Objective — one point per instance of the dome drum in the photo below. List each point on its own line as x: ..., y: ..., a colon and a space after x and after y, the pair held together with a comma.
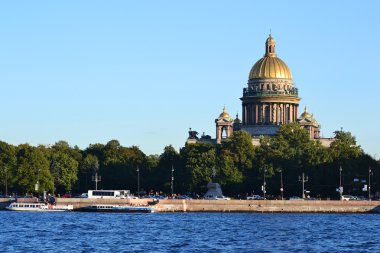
x: 273, y: 83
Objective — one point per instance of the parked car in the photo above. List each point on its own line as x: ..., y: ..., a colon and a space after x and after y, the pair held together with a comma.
x: 215, y: 197
x: 255, y: 197
x: 348, y: 197
x: 83, y: 195
x: 67, y: 195
x: 295, y: 198
x: 181, y: 197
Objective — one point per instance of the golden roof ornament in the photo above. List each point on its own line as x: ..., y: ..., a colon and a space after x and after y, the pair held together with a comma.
x: 225, y: 114
x: 270, y: 66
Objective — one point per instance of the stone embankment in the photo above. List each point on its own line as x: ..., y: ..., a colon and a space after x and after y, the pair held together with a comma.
x: 268, y: 206
x: 258, y: 206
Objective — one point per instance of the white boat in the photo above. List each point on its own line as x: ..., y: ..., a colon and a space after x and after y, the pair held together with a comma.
x: 117, y: 209
x: 38, y: 207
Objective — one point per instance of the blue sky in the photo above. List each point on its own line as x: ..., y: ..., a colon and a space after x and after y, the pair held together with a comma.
x: 143, y: 72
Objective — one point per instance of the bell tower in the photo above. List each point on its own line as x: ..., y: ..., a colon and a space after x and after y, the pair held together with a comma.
x: 224, y: 126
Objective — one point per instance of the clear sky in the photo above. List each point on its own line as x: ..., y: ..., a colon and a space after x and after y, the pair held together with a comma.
x: 143, y: 72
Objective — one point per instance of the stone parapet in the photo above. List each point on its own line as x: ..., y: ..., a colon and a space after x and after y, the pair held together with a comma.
x: 268, y: 206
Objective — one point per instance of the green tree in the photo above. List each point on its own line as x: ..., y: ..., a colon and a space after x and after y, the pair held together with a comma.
x: 64, y: 169
x: 161, y: 174
x: 8, y: 162
x: 88, y: 167
x: 291, y: 151
x: 119, y: 166
x: 344, y: 147
x: 240, y: 149
x: 33, y: 168
x: 200, y: 163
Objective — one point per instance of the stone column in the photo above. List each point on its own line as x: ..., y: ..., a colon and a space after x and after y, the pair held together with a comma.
x: 270, y: 114
x: 291, y: 113
x: 257, y: 114
x: 218, y: 134
x: 243, y: 112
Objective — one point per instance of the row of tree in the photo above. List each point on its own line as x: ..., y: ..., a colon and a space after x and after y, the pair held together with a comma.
x: 236, y: 165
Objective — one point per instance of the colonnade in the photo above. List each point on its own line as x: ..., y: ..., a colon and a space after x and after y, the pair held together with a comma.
x: 269, y: 113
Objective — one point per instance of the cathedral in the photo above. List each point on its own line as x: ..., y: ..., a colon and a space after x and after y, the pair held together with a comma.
x: 269, y: 101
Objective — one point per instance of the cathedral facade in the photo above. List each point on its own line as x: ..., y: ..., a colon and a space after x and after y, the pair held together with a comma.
x: 269, y: 101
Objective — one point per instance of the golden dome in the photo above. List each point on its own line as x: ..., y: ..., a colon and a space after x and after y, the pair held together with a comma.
x: 224, y: 114
x: 306, y: 114
x: 270, y: 66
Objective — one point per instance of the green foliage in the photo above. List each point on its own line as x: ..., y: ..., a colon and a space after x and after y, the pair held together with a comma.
x: 8, y: 163
x: 344, y: 147
x: 235, y: 164
x: 64, y: 170
x: 162, y: 171
x: 200, y: 162
x: 90, y: 164
x: 240, y: 149
x: 33, y: 167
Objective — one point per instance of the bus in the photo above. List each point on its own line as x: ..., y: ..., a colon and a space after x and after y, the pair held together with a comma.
x: 108, y: 194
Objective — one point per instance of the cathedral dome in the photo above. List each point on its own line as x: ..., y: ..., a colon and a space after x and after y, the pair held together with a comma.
x: 270, y: 66
x: 224, y: 114
x: 307, y: 116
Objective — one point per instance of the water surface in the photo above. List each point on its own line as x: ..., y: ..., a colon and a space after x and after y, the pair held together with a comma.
x: 188, y: 232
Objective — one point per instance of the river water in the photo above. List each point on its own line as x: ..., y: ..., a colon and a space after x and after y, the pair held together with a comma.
x: 188, y: 232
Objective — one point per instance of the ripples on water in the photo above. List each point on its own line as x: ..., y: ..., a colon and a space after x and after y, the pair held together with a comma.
x: 188, y: 232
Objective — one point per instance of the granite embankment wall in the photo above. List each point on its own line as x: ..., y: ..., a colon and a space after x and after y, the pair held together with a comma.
x: 268, y: 206
x: 259, y: 206
x: 81, y: 202
x: 265, y: 206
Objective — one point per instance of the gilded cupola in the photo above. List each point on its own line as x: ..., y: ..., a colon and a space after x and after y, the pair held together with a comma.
x: 225, y: 115
x: 270, y: 66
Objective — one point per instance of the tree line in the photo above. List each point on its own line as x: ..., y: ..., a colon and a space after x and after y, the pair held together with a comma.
x: 237, y: 165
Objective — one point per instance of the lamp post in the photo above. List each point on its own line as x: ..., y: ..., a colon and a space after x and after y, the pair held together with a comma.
x: 138, y: 182
x: 172, y: 183
x: 37, y: 186
x: 282, y: 186
x: 369, y: 183
x: 264, y: 184
x: 340, y: 183
x: 96, y: 179
x: 303, y: 179
x: 6, y: 180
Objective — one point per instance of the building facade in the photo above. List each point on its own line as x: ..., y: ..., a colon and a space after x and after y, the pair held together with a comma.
x: 269, y: 101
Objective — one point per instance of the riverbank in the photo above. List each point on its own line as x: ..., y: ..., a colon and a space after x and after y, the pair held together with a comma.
x: 258, y: 206
x: 269, y: 206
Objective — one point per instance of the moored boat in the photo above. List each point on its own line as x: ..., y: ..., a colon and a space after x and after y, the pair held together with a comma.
x: 117, y: 209
x: 38, y: 207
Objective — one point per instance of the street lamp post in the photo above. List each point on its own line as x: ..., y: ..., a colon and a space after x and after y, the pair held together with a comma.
x: 282, y: 186
x: 172, y: 183
x: 96, y: 179
x: 138, y: 182
x: 369, y: 183
x: 6, y: 180
x: 264, y: 184
x: 303, y: 180
x: 37, y: 186
x: 340, y: 183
